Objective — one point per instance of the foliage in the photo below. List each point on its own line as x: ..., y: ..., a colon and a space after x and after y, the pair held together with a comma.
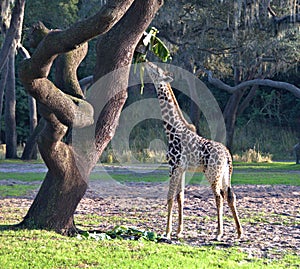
x: 195, y: 40
x: 266, y: 137
x: 149, y: 42
x: 54, y: 14
x: 253, y: 155
x: 237, y: 41
x: 122, y: 232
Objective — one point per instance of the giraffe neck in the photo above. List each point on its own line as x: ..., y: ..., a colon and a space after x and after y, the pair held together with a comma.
x: 170, y: 110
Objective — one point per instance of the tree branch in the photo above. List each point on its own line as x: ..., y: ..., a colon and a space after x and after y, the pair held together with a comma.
x: 34, y: 71
x: 23, y: 51
x: 254, y: 82
x: 291, y: 18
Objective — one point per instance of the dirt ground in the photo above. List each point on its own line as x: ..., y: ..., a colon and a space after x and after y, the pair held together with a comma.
x: 270, y: 214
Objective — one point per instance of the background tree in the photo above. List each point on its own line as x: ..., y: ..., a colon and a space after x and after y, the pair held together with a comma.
x: 12, y: 38
x: 237, y: 41
x: 66, y: 182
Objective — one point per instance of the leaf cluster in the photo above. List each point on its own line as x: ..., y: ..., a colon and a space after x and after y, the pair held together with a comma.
x: 122, y: 233
x: 149, y: 43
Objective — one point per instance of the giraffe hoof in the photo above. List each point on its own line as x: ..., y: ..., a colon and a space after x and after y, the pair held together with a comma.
x: 180, y: 235
x: 219, y: 236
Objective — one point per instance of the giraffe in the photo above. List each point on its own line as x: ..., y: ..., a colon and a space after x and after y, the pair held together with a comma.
x: 188, y: 150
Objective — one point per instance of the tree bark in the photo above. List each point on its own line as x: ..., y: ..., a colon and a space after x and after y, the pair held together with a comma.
x: 10, y: 110
x: 230, y: 115
x: 13, y: 30
x: 67, y: 177
x: 30, y: 149
x: 7, y: 54
x: 2, y: 88
x: 111, y: 58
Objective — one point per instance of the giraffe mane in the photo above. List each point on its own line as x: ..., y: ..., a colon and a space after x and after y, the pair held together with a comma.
x: 188, y: 125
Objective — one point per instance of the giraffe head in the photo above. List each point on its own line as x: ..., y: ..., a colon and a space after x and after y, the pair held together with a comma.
x: 157, y: 74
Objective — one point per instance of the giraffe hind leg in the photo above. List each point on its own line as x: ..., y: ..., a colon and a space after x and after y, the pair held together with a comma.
x: 219, y: 203
x: 231, y: 199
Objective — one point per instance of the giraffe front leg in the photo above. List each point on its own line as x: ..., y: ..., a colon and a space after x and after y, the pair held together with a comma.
x: 180, y: 200
x: 169, y: 220
x: 174, y: 186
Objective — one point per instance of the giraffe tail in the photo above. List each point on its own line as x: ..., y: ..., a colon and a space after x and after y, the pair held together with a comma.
x: 230, y: 193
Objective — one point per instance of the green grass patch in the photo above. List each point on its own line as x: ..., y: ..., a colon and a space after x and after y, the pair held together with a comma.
x: 91, y: 220
x: 266, y: 178
x: 16, y: 190
x: 43, y: 249
x: 244, y: 173
x: 26, y: 177
x: 274, y: 166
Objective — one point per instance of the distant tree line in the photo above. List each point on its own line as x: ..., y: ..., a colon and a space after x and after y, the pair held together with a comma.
x: 224, y: 43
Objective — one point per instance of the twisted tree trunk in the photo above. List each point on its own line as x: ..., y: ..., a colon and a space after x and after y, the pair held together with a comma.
x: 67, y: 177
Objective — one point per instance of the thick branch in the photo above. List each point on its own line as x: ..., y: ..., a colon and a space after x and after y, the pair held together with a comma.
x: 254, y: 82
x: 114, y: 53
x: 57, y: 41
x: 66, y: 71
x: 69, y: 110
x: 290, y: 18
x: 34, y: 71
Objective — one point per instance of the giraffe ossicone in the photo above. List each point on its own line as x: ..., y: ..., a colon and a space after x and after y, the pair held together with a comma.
x: 186, y: 149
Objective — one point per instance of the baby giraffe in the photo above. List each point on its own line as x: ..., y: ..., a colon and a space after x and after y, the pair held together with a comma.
x: 187, y: 150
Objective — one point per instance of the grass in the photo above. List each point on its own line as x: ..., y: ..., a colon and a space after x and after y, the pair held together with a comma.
x: 267, y: 173
x: 25, y: 177
x: 44, y: 249
x: 273, y: 166
x: 244, y: 173
x: 16, y: 190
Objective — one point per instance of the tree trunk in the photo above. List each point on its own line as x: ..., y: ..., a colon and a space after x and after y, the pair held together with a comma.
x: 10, y: 109
x: 2, y: 87
x: 111, y: 58
x: 62, y: 188
x: 230, y: 115
x: 30, y: 150
x: 14, y: 30
x: 67, y: 178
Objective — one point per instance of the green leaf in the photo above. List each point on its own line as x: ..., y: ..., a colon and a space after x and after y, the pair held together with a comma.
x: 160, y: 49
